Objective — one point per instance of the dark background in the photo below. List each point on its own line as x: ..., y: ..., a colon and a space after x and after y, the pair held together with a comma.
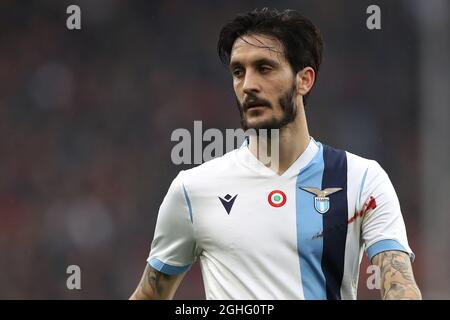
x: 86, y: 118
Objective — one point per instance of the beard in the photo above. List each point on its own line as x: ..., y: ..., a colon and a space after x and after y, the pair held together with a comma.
x: 288, y: 106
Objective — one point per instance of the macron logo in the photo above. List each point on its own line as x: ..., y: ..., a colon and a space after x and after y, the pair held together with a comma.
x: 227, y: 202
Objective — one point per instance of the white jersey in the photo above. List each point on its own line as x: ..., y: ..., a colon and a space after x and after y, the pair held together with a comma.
x: 260, y: 235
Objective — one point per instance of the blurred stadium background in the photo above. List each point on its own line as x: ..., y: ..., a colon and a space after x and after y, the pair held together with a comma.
x: 86, y: 118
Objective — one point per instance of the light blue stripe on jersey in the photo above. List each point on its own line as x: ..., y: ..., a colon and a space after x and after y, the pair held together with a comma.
x: 362, y: 184
x: 167, y: 268
x: 188, y: 202
x: 309, y: 229
x: 384, y: 245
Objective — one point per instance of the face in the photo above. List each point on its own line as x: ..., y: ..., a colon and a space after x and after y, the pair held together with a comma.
x: 263, y: 82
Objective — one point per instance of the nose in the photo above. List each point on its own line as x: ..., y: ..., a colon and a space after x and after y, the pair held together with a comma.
x: 250, y: 84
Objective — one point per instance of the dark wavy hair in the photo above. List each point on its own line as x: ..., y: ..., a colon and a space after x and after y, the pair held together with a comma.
x: 301, y: 39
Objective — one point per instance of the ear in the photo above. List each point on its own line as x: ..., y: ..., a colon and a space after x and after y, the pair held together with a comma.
x: 305, y: 80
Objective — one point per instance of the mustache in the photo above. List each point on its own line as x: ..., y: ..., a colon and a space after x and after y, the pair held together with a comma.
x: 253, y: 100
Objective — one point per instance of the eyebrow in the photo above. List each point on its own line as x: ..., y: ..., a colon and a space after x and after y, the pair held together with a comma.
x: 257, y: 62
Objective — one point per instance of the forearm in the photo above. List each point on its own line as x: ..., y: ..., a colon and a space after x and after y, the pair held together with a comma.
x: 145, y: 289
x: 397, y: 278
x: 155, y: 285
x: 139, y: 294
x: 402, y: 292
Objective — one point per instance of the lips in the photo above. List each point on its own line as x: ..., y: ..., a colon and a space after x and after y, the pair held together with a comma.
x: 255, y: 104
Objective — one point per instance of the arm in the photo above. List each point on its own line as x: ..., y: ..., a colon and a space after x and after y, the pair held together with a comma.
x: 155, y: 285
x: 397, y: 278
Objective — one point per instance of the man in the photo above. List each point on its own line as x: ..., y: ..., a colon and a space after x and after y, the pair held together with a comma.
x: 296, y: 232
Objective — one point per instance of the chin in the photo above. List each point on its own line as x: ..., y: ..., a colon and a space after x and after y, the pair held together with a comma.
x: 258, y: 124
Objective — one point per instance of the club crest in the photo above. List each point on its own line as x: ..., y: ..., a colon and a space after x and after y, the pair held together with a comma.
x: 321, y: 199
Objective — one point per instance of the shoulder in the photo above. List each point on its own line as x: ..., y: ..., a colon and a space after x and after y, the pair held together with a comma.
x: 368, y: 175
x: 366, y: 178
x: 363, y: 174
x: 358, y: 163
x: 209, y: 171
x: 355, y: 163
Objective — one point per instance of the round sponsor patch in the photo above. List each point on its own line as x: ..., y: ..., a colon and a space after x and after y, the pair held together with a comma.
x: 277, y: 198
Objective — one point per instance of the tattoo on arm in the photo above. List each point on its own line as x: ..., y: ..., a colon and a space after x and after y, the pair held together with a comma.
x: 156, y: 285
x: 397, y: 277
x: 153, y: 280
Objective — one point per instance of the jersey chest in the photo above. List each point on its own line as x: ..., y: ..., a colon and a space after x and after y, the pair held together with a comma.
x: 262, y: 218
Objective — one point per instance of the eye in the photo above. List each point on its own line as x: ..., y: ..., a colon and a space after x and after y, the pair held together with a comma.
x: 264, y: 68
x: 237, y: 72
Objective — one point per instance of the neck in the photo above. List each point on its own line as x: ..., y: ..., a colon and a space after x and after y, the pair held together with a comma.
x: 293, y: 141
